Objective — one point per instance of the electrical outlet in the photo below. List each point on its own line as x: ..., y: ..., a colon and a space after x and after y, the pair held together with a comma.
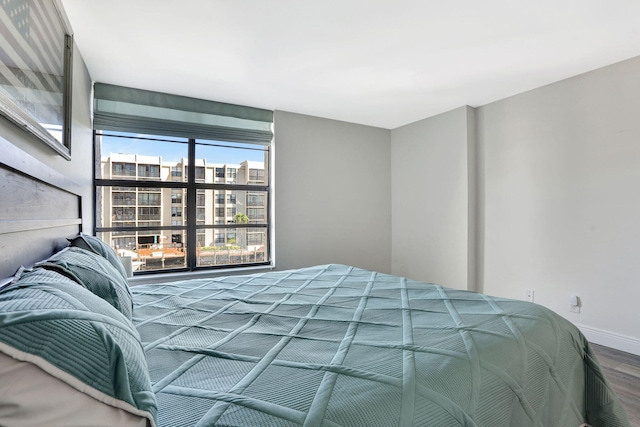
x: 528, y: 294
x: 574, y: 304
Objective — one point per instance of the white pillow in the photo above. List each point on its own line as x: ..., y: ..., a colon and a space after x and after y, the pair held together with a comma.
x: 31, y: 397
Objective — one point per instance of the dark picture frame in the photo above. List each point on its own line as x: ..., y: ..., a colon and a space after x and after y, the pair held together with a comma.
x: 36, y: 67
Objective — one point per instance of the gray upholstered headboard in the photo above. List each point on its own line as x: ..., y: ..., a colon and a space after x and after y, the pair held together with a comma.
x: 39, y: 209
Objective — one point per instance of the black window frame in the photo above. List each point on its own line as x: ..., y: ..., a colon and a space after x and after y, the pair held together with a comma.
x: 192, y: 183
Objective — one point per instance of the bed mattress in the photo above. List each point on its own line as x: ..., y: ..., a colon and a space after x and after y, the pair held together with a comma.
x: 335, y: 345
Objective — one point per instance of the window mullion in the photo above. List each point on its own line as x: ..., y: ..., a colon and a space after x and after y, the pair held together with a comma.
x: 191, y: 205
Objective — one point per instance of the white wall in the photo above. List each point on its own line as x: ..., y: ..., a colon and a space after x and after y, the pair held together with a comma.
x: 79, y: 169
x: 332, y: 193
x: 433, y: 199
x: 556, y: 191
x: 537, y: 191
x: 560, y: 212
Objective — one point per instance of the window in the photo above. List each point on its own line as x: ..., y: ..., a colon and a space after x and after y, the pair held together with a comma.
x: 123, y: 169
x: 152, y: 199
x: 200, y: 173
x: 124, y: 198
x: 149, y: 171
x: 254, y: 238
x: 148, y: 217
x: 200, y: 198
x: 174, y: 192
x: 124, y: 214
x: 149, y: 214
x: 255, y: 199
x: 126, y: 243
x: 256, y: 175
x: 255, y: 214
x: 176, y: 196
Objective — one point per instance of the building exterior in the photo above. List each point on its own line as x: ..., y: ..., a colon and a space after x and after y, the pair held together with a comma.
x: 166, y: 206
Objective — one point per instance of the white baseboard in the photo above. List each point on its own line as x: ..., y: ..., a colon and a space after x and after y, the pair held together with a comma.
x: 610, y: 339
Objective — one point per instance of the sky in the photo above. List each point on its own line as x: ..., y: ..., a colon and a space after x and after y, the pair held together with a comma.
x: 221, y: 152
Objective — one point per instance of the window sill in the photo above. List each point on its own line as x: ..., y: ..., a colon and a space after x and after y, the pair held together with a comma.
x: 202, y: 274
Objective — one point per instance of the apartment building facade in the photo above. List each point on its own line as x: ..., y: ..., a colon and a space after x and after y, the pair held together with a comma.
x: 137, y: 210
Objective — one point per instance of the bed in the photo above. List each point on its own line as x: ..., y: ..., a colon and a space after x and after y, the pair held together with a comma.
x: 335, y: 345
x: 329, y: 345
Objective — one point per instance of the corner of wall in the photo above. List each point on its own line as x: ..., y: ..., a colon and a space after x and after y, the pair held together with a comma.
x: 433, y: 174
x: 472, y: 196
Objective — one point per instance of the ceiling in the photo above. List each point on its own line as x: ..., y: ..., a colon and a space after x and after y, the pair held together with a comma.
x: 376, y: 62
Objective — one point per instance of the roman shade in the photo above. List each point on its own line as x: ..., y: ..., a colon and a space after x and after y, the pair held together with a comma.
x: 124, y: 109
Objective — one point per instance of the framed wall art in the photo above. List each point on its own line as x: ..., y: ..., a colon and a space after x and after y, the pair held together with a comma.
x: 35, y: 70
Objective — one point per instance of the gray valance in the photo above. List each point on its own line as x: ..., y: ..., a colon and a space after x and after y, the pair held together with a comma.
x: 141, y: 111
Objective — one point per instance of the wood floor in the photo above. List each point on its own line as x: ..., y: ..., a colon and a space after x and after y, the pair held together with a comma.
x: 623, y: 371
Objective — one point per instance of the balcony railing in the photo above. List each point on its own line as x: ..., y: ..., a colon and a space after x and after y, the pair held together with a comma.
x: 172, y: 255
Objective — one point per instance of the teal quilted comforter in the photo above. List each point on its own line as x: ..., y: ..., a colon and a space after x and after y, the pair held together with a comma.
x: 340, y: 346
